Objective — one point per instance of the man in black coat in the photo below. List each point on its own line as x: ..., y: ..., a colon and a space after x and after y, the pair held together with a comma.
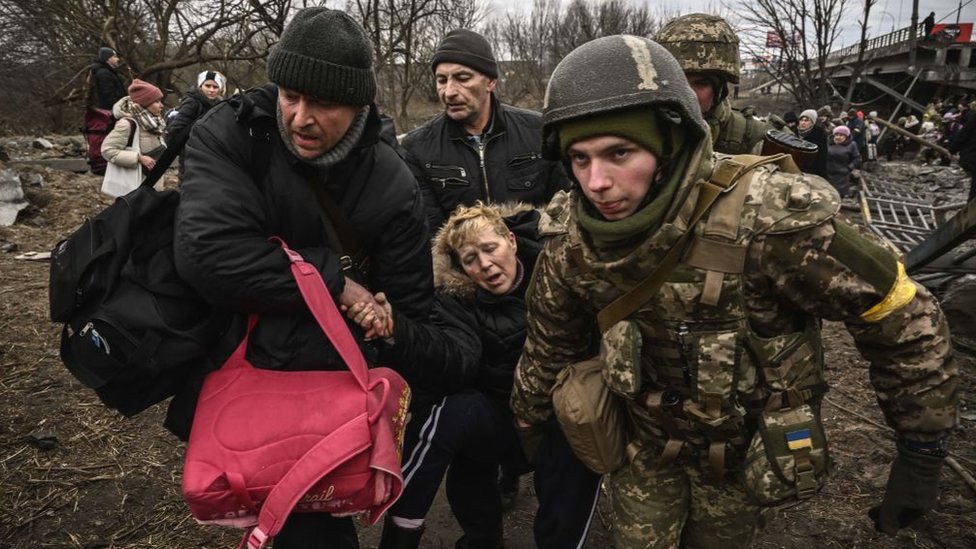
x: 271, y: 163
x: 478, y: 148
x: 107, y: 86
x: 964, y: 144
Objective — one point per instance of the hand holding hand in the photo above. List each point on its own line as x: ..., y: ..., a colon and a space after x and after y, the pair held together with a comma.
x: 373, y: 313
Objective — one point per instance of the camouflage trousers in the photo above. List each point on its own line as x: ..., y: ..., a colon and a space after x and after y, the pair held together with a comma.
x: 672, y: 507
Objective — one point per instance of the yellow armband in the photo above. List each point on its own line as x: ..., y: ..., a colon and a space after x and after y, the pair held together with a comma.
x: 901, y: 293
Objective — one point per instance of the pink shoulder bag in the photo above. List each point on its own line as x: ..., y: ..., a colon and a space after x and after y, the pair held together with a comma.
x: 265, y: 443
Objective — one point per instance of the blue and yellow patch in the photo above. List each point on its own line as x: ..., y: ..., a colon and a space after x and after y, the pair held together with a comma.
x: 798, y: 440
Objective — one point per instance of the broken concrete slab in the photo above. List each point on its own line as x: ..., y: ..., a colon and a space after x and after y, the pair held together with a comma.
x: 43, y: 144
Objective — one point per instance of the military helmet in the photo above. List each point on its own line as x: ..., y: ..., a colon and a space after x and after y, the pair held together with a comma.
x: 615, y: 73
x: 702, y: 43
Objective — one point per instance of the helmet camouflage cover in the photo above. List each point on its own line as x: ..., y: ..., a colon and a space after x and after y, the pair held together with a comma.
x: 703, y: 43
x: 615, y: 73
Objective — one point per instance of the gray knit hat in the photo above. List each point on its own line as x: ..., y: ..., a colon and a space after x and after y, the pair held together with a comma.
x: 105, y: 53
x: 468, y: 48
x: 326, y: 54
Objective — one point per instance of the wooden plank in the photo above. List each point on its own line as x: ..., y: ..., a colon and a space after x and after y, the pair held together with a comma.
x: 960, y: 228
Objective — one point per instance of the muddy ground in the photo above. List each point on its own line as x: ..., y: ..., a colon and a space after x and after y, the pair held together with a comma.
x: 74, y: 474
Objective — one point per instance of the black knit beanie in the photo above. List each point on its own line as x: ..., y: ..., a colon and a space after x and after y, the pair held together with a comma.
x: 467, y: 48
x: 326, y: 54
x: 104, y: 54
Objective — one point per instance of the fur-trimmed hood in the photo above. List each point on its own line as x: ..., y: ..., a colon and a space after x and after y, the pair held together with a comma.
x: 522, y: 219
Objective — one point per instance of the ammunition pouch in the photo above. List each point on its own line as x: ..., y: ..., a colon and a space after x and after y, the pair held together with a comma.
x: 591, y: 416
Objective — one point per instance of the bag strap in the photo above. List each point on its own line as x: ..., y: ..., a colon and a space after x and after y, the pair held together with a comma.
x: 324, y: 310
x: 329, y: 453
x: 132, y: 131
x: 724, y: 177
x: 341, y: 236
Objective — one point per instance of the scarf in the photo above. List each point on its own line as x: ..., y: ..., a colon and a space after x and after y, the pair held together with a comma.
x: 148, y: 122
x: 339, y: 151
x: 625, y: 234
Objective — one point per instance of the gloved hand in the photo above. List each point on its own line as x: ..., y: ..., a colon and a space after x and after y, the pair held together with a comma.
x: 913, y: 488
x: 532, y: 437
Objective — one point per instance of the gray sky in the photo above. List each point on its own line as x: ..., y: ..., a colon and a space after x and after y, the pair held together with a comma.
x: 884, y: 15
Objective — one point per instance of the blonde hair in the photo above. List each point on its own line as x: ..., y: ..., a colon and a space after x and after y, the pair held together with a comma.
x: 466, y: 222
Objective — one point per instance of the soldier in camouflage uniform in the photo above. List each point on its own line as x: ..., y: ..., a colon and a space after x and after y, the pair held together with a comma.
x: 708, y: 51
x: 723, y: 386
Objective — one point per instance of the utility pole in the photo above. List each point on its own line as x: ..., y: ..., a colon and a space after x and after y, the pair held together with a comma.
x: 914, y: 34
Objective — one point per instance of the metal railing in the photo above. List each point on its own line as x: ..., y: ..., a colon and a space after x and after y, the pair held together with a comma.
x: 899, y: 36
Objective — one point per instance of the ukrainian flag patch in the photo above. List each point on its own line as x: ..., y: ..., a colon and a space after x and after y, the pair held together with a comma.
x: 798, y: 440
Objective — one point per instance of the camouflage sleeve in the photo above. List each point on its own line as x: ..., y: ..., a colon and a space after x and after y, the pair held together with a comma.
x: 837, y: 272
x: 559, y: 330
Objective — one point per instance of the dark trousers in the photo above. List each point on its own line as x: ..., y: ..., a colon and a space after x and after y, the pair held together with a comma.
x: 467, y: 436
x: 317, y: 531
x: 567, y: 492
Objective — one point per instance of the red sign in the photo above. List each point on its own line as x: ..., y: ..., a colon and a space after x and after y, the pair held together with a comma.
x: 773, y: 41
x: 949, y: 33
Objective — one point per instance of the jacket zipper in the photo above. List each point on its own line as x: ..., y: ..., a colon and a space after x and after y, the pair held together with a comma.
x: 484, y: 172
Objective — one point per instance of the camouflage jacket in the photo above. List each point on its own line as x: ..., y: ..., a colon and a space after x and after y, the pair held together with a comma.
x: 797, y: 263
x: 733, y: 132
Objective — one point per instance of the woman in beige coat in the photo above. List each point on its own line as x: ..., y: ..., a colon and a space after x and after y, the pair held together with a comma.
x: 142, y: 108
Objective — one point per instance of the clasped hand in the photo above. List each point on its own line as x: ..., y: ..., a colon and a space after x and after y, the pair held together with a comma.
x: 373, y: 313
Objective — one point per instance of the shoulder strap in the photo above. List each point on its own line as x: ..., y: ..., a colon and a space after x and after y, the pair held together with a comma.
x: 339, y: 233
x: 132, y: 131
x: 724, y: 177
x: 623, y: 306
x: 341, y: 236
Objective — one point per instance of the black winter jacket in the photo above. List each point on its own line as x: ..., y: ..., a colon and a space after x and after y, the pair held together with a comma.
x: 451, y: 170
x: 818, y: 136
x: 473, y: 338
x: 964, y: 142
x: 193, y: 106
x: 225, y: 219
x: 107, y: 86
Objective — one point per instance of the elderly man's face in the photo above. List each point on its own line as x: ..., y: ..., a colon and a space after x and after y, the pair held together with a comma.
x: 465, y: 93
x: 805, y: 123
x: 314, y: 125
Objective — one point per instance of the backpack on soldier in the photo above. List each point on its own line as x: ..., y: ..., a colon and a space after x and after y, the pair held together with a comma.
x: 133, y: 330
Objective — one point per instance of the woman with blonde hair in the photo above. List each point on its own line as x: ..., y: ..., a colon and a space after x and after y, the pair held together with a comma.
x: 463, y: 359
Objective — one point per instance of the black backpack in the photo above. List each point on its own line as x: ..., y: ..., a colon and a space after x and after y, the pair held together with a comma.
x: 133, y: 330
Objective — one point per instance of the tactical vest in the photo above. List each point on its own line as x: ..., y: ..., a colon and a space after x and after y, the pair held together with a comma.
x: 705, y: 375
x: 738, y: 134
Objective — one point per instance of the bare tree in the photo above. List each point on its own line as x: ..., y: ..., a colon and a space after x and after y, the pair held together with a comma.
x: 404, y: 34
x: 862, y: 44
x: 806, y: 31
x: 49, y: 44
x: 527, y: 42
x: 535, y: 43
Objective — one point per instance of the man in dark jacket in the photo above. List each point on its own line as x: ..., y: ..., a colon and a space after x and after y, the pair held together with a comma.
x: 270, y: 163
x: 964, y: 143
x: 107, y: 86
x: 478, y: 148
